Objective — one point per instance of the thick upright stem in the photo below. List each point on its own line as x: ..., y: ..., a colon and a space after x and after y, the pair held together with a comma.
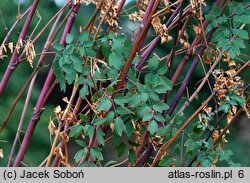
x: 46, y: 47
x: 144, y: 57
x: 134, y: 50
x: 13, y: 60
x: 40, y: 103
x: 144, y: 21
x: 189, y: 74
x: 190, y: 52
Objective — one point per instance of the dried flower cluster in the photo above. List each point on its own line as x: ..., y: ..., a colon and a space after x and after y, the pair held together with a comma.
x: 108, y: 12
x: 3, y: 50
x: 30, y: 52
x: 19, y: 45
x: 184, y: 41
x: 225, y: 81
x: 157, y: 22
x: 161, y: 30
x: 195, y: 5
x: 139, y: 14
x: 87, y: 2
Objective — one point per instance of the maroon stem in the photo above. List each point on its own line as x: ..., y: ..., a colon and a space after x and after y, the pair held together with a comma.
x: 14, y: 25
x: 143, y: 142
x: 144, y: 57
x: 142, y: 161
x: 144, y: 21
x: 40, y: 103
x: 191, y: 49
x: 13, y: 60
x: 189, y: 74
x: 139, y: 38
x: 46, y: 47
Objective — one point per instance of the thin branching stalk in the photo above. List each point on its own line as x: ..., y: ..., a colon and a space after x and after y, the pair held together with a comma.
x: 145, y: 55
x: 179, y: 33
x: 75, y: 88
x: 102, y: 20
x: 92, y: 19
x: 43, y: 30
x: 204, y: 80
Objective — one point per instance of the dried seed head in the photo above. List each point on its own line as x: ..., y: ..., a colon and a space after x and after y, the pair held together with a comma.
x: 2, y: 51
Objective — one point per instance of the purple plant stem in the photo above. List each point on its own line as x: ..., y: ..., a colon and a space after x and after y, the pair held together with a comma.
x: 38, y: 66
x: 189, y: 74
x: 12, y: 65
x: 179, y: 33
x: 142, y: 161
x: 40, y: 103
x: 46, y: 47
x: 133, y: 51
x: 14, y: 25
x: 190, y: 52
x: 145, y: 18
x: 144, y: 57
x: 21, y: 122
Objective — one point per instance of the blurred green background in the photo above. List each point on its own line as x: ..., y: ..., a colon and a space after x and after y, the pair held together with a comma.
x: 239, y: 138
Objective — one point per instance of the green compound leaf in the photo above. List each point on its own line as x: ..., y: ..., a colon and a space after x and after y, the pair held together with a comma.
x: 104, y: 105
x: 153, y: 63
x: 83, y: 36
x: 121, y: 149
x: 99, y: 121
x: 119, y: 126
x: 115, y: 60
x: 160, y: 106
x: 96, y: 153
x: 153, y: 127
x: 75, y: 130
x: 120, y: 99
x: 100, y: 137
x: 80, y: 154
x: 190, y: 145
x: 166, y: 161
x: 132, y: 156
x: 84, y: 91
x: 69, y: 38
